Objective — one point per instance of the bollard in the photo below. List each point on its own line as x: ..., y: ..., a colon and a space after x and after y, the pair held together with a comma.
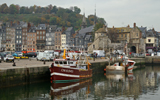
x: 44, y: 62
x: 14, y: 64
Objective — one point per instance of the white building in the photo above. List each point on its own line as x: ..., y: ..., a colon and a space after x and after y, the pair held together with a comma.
x: 63, y: 40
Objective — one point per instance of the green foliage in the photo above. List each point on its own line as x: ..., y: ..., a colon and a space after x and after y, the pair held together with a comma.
x: 12, y: 9
x: 77, y: 10
x: 50, y: 15
x: 4, y: 8
x: 52, y: 21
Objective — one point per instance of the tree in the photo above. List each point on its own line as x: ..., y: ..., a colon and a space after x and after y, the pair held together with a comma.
x: 52, y: 20
x: 4, y: 8
x: 12, y: 9
x: 77, y: 10
x: 54, y: 9
x: 22, y: 10
x: 112, y: 35
x: 49, y: 8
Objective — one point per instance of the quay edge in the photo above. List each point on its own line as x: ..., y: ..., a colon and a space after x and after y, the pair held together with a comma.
x: 24, y: 75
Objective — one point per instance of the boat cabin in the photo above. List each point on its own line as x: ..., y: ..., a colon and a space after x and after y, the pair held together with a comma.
x: 65, y: 62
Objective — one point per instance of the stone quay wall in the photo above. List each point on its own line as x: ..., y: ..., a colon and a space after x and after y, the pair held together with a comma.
x: 18, y: 76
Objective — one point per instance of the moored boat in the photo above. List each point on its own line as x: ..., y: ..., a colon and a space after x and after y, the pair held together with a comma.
x: 118, y: 67
x: 70, y: 70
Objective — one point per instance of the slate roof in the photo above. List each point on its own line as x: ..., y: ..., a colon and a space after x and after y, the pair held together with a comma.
x: 69, y: 28
x: 143, y: 30
x: 59, y: 28
x: 83, y: 32
x: 88, y: 37
x: 149, y: 34
x: 41, y: 27
x: 52, y: 28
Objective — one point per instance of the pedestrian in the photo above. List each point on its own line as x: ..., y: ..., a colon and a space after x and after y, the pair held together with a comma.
x: 96, y: 55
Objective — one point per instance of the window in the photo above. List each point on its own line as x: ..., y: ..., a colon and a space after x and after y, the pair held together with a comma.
x: 56, y: 62
x: 93, y: 46
x: 43, y: 37
x: 137, y: 34
x: 37, y: 37
x: 125, y: 35
x: 121, y: 35
x: 71, y: 62
x: 60, y: 62
x: 38, y: 32
x: 40, y: 37
x: 149, y: 40
x: 17, y: 41
x: 43, y: 32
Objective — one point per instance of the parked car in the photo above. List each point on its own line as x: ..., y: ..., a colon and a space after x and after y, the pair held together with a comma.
x: 148, y: 54
x: 20, y: 54
x: 15, y: 54
x: 2, y: 54
x: 0, y: 59
x: 31, y: 54
x: 9, y: 58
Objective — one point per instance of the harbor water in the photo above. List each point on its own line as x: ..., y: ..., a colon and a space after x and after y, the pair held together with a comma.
x: 142, y: 84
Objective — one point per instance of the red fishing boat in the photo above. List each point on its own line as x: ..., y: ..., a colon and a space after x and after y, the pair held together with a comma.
x: 69, y: 70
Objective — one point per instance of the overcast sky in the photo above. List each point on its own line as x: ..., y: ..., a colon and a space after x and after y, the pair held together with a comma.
x: 117, y: 13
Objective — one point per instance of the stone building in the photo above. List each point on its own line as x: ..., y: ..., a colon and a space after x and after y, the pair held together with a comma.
x: 101, y: 41
x: 136, y: 42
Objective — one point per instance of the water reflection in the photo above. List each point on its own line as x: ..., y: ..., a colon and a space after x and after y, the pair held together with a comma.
x: 139, y: 84
x: 142, y: 84
x: 70, y: 91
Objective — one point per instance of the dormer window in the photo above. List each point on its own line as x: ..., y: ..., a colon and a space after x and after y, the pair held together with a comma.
x: 40, y: 27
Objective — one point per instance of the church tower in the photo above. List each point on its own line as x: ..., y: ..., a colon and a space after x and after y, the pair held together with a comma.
x: 84, y: 23
x: 95, y: 17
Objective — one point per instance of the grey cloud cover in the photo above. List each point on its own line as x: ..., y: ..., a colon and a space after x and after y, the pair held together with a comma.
x: 118, y: 13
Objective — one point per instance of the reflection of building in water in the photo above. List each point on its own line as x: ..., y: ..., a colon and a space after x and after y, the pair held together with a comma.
x: 70, y: 91
x: 130, y: 87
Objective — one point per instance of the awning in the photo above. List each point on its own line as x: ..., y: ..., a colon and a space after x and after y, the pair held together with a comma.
x: 151, y: 47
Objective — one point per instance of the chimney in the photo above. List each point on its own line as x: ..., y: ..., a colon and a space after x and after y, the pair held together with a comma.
x: 11, y: 23
x: 134, y: 24
x: 18, y: 22
x: 128, y: 26
x: 63, y: 28
x: 113, y: 26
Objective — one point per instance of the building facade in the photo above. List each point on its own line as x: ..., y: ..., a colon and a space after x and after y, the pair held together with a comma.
x: 31, y: 40
x: 18, y: 38
x: 41, y: 37
x: 63, y: 41
x: 50, y: 36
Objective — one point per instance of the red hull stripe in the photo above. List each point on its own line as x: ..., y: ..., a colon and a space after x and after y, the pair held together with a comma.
x: 130, y: 68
